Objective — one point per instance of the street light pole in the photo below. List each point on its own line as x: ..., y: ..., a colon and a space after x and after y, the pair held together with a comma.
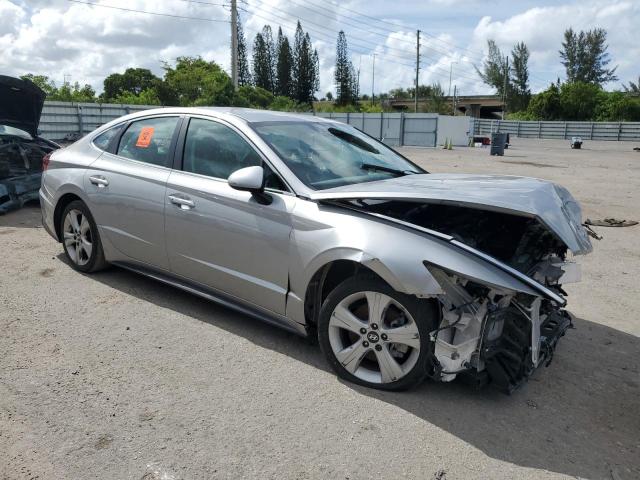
x: 415, y: 100
x: 234, y: 43
x: 373, y: 80
x: 450, y: 74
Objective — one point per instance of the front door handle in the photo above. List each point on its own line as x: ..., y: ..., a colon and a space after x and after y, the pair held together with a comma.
x: 183, y: 202
x: 99, y: 180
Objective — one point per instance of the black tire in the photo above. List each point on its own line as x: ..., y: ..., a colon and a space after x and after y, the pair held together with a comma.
x: 96, y: 260
x: 425, y: 313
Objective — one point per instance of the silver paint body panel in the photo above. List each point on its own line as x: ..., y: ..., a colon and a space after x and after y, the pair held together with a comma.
x: 194, y: 230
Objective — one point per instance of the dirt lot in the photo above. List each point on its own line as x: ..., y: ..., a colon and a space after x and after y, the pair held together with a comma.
x: 115, y: 376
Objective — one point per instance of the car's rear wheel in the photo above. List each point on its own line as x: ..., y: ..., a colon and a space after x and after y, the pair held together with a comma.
x: 80, y: 238
x: 375, y: 336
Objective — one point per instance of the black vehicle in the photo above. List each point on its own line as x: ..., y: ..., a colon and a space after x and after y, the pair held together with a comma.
x: 21, y: 149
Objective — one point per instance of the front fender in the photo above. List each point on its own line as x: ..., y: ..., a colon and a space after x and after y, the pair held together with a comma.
x: 324, y: 233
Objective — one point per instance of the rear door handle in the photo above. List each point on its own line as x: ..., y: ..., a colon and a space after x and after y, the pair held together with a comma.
x: 183, y: 202
x: 99, y: 180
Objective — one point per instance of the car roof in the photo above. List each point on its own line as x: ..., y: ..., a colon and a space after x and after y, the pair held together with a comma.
x: 253, y: 115
x: 248, y: 115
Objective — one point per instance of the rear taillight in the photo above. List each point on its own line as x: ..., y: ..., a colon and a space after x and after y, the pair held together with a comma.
x: 45, y: 161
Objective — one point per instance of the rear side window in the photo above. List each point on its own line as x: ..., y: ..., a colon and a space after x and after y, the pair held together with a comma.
x: 103, y: 141
x: 149, y: 140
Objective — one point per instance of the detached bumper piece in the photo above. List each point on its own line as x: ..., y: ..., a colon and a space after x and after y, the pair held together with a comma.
x: 506, y: 349
x: 16, y: 191
x: 554, y: 327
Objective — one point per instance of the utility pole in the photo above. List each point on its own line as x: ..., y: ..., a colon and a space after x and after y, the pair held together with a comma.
x: 373, y: 80
x: 453, y: 100
x: 415, y: 101
x: 358, y: 79
x: 234, y: 43
x: 504, y: 88
x: 450, y: 74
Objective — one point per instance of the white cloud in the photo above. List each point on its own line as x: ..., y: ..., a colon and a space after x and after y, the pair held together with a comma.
x: 542, y: 30
x: 57, y: 37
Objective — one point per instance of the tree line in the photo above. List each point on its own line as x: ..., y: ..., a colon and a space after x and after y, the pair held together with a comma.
x: 580, y: 97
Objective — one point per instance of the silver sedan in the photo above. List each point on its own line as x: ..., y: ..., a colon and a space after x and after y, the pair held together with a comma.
x: 313, y: 226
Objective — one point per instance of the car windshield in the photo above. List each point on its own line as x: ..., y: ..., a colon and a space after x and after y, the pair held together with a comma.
x: 325, y: 155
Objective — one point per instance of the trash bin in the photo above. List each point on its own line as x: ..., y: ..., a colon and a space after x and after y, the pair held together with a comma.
x: 498, y: 140
x: 576, y: 142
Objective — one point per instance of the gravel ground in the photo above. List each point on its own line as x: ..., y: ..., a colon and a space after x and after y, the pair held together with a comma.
x: 115, y: 376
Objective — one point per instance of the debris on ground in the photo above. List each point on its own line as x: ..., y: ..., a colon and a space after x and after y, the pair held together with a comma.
x: 440, y: 475
x: 611, y: 222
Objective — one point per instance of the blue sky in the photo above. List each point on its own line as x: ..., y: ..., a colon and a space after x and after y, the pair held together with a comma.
x: 86, y: 43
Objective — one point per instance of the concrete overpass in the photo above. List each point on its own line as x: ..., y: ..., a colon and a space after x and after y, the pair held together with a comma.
x: 479, y: 106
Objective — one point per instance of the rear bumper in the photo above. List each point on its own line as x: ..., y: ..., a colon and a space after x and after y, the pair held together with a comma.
x: 47, y: 209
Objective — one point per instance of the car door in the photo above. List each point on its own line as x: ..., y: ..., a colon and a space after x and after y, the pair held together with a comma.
x: 126, y: 187
x: 221, y: 237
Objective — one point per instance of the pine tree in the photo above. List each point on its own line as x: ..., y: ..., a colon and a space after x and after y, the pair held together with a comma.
x: 632, y: 88
x: 261, y: 66
x: 284, y: 66
x: 521, y: 93
x: 316, y: 71
x: 572, y: 54
x: 344, y: 73
x: 494, y: 68
x: 270, y: 55
x: 585, y: 57
x: 244, y: 74
x: 305, y: 67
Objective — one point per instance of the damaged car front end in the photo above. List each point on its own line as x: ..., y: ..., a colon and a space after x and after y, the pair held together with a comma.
x: 529, y: 229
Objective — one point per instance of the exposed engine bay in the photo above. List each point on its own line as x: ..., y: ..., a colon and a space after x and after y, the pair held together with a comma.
x: 487, y: 334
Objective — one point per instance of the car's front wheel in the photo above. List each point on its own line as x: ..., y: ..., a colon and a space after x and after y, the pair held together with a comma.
x: 80, y: 238
x: 375, y: 336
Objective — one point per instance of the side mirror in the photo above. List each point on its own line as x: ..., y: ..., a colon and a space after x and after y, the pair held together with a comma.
x: 250, y: 179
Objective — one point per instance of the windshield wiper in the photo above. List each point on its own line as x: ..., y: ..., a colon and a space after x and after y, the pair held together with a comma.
x: 381, y: 168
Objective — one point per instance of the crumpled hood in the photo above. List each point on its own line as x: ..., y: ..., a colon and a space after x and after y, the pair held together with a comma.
x: 552, y: 204
x: 21, y: 104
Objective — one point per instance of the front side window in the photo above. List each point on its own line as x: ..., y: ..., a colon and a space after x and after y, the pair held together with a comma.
x: 215, y: 150
x: 149, y: 140
x: 326, y: 155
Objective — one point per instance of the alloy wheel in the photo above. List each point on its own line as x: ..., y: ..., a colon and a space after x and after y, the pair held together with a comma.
x: 78, y: 239
x: 374, y: 337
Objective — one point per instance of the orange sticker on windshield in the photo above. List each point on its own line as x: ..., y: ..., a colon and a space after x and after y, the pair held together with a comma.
x: 144, y: 139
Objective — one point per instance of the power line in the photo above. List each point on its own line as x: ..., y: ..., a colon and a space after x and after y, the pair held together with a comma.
x: 330, y: 37
x: 209, y: 4
x: 354, y: 25
x: 366, y: 45
x: 149, y: 13
x: 325, y: 35
x: 395, y: 25
x: 365, y: 41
